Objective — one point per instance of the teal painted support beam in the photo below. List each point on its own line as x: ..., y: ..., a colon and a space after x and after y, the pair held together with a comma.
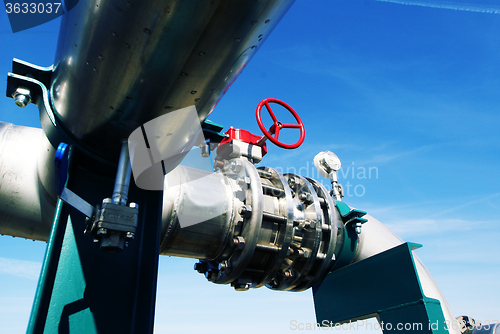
x: 85, y: 290
x: 48, y: 271
x: 350, y: 238
x: 386, y: 286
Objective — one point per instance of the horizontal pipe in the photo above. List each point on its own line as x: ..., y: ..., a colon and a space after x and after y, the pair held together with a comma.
x: 27, y: 199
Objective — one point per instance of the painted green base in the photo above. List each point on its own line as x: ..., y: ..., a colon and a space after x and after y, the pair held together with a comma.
x: 385, y: 286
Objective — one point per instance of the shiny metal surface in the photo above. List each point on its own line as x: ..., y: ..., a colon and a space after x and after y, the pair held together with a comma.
x: 121, y: 64
x: 207, y: 239
x: 26, y: 185
x: 272, y: 229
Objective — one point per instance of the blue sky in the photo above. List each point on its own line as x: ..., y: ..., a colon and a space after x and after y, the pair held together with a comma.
x: 408, y: 91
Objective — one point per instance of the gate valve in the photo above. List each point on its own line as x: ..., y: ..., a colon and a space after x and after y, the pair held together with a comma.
x: 277, y: 125
x: 245, y: 143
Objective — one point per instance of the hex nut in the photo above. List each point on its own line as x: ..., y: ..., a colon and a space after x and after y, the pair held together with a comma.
x: 235, y: 166
x: 22, y: 97
x: 245, y: 211
x: 238, y: 242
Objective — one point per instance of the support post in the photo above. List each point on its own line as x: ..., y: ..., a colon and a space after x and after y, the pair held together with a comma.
x: 85, y: 290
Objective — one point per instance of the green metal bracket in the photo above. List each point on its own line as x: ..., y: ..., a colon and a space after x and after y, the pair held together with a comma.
x: 212, y: 131
x: 82, y: 289
x: 386, y: 286
x: 349, y: 217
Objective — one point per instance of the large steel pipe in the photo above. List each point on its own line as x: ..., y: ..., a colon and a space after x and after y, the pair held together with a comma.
x: 120, y: 64
x: 278, y: 227
x: 26, y: 183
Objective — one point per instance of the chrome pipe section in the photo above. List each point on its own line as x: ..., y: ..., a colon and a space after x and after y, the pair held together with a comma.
x: 26, y: 187
x: 119, y: 65
x: 282, y: 231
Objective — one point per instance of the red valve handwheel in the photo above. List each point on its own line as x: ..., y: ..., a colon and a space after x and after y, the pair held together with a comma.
x: 277, y: 126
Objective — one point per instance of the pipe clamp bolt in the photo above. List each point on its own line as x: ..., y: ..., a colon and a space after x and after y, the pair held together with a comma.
x: 22, y: 97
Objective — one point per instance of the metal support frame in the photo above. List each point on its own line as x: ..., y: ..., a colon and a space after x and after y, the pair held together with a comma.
x: 391, y: 292
x: 85, y: 290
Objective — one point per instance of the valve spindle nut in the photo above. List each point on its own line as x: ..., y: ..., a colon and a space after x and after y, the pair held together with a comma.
x: 133, y: 205
x: 129, y: 235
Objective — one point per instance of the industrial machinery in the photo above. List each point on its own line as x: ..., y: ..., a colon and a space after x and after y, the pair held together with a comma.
x: 129, y: 93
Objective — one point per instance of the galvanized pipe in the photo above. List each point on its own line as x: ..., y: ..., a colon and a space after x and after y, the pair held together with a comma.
x: 120, y: 65
x: 26, y: 187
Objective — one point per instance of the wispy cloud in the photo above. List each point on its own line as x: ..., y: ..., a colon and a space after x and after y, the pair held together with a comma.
x: 454, y: 5
x: 467, y: 204
x: 418, y: 227
x: 20, y: 268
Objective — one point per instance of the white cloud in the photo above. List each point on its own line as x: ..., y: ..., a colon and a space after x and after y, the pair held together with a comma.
x: 454, y: 5
x: 20, y: 268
